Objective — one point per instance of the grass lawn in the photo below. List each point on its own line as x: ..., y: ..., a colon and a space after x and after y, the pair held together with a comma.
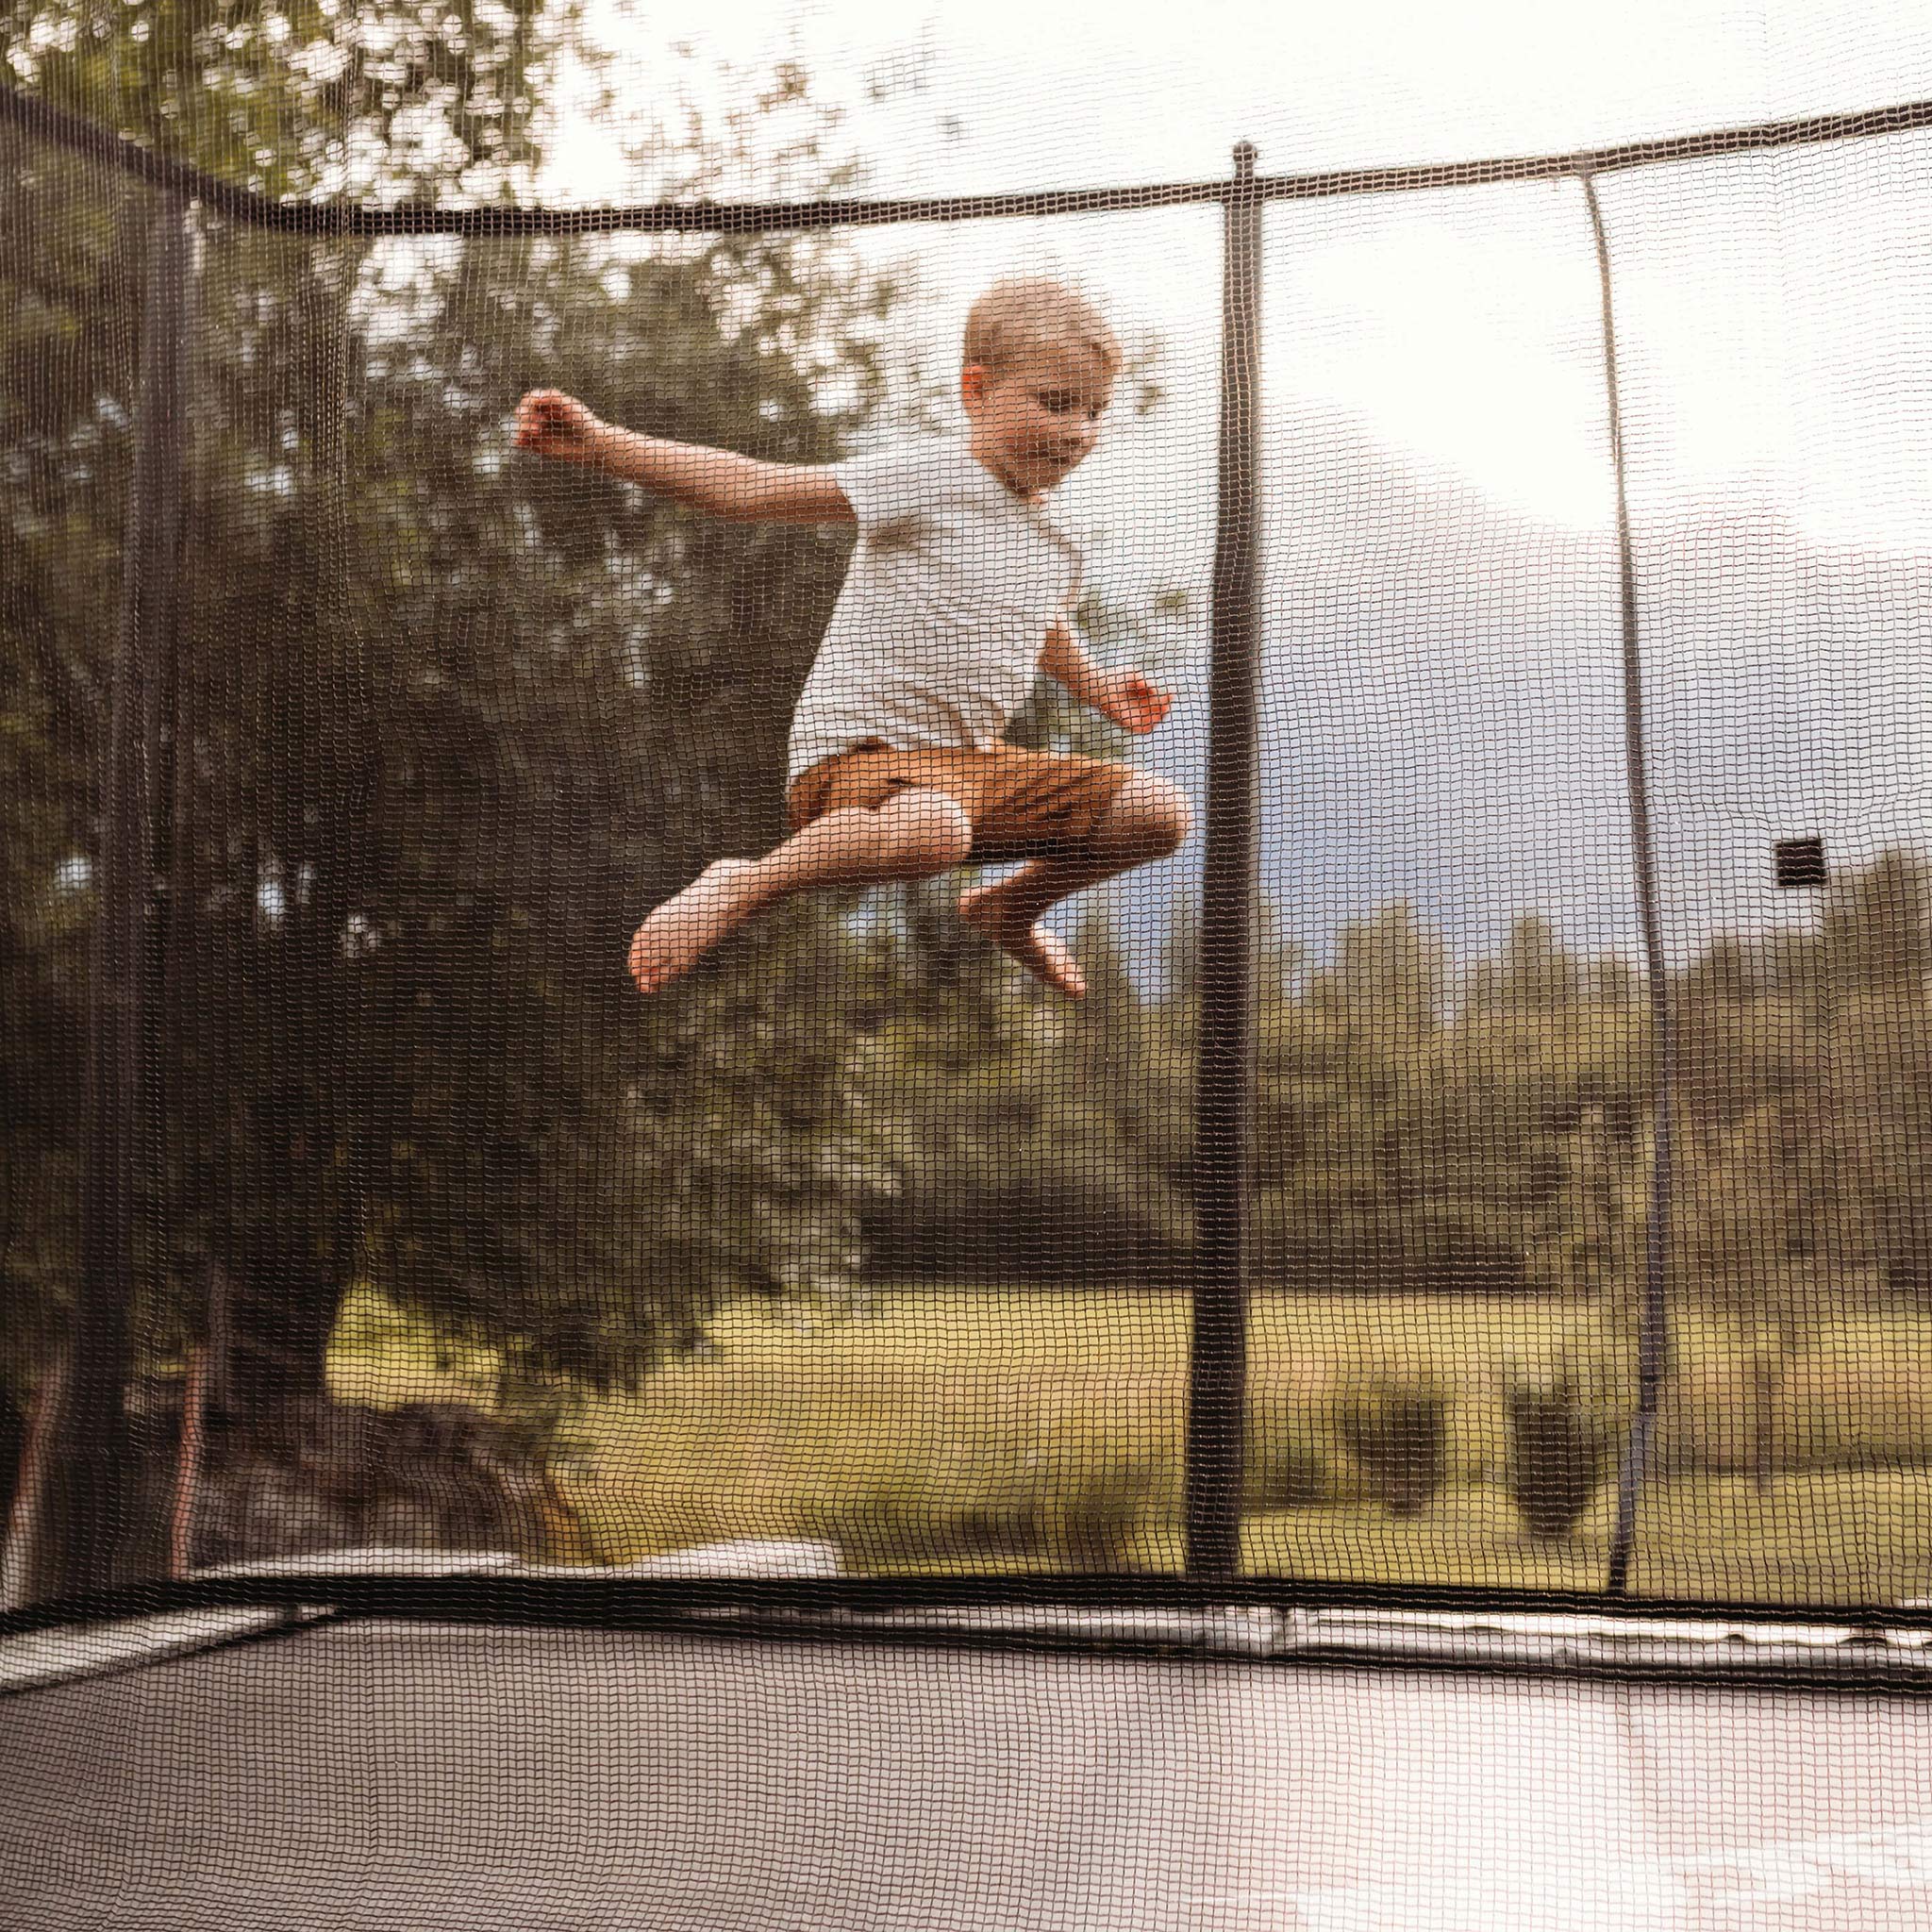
x: 956, y: 1430
x: 1819, y: 1536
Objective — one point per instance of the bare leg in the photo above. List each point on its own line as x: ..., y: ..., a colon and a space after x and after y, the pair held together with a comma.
x: 911, y: 836
x: 1147, y: 820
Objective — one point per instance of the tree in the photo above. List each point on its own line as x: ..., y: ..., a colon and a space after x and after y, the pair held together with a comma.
x: 1878, y: 924
x: 69, y: 338
x: 1534, y: 973
x: 1352, y: 1187
x: 446, y: 725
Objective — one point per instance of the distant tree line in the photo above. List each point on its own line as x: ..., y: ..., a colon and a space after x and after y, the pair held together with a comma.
x: 1421, y: 1129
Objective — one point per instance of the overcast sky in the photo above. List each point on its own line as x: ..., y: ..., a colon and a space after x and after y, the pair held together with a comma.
x: 1443, y: 716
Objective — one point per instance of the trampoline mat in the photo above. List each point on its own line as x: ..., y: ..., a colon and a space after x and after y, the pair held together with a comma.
x: 413, y: 1778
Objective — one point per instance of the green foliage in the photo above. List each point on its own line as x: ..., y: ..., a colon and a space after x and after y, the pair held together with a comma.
x: 301, y: 96
x: 1282, y: 1464
x: 445, y: 723
x: 1396, y: 1428
x: 1088, y: 1516
x: 1559, y: 1452
x: 1032, y: 1137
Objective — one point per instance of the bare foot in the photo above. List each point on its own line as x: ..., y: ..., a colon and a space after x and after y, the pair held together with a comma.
x: 1039, y: 951
x: 682, y: 930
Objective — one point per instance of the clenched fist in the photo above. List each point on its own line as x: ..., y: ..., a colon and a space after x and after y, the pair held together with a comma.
x: 553, y: 425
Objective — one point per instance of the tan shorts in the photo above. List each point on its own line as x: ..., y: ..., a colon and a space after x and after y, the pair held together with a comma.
x: 1020, y: 804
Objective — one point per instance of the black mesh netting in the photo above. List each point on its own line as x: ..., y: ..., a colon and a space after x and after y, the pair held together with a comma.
x: 1479, y: 1194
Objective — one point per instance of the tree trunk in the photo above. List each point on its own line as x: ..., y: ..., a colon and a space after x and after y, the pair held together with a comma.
x: 24, y: 1556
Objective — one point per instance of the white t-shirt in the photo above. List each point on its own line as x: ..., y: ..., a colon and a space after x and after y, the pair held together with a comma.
x: 937, y: 634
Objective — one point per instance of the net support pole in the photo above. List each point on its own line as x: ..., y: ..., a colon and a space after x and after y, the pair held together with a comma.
x: 1653, y: 1337
x: 89, y: 1519
x: 1218, y: 1390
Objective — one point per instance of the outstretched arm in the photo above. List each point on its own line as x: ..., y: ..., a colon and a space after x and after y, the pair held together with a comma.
x: 1128, y: 698
x: 718, y: 480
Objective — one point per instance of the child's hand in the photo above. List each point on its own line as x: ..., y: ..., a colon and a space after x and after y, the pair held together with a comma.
x: 554, y: 425
x: 1133, y: 703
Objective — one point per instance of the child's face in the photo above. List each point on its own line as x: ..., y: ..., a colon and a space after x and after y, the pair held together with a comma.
x: 1033, y: 423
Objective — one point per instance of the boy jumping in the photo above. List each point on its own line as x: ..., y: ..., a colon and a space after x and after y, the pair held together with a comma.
x: 959, y: 589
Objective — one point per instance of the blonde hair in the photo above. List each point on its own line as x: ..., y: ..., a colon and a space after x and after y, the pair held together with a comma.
x: 1020, y: 315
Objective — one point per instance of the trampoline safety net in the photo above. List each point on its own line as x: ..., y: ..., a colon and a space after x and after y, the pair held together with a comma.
x: 859, y: 1002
